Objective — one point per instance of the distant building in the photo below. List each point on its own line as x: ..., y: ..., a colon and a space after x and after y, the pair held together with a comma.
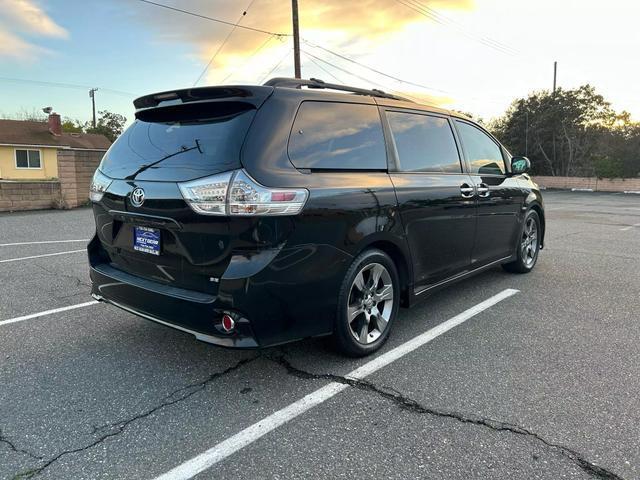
x: 29, y: 150
x: 42, y: 167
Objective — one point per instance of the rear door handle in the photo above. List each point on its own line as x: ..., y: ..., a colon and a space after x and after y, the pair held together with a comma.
x: 483, y: 190
x: 467, y: 191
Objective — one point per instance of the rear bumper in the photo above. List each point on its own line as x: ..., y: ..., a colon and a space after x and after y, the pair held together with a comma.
x: 275, y: 296
x: 191, y: 312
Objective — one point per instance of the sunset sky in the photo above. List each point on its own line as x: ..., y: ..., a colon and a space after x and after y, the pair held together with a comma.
x: 473, y: 55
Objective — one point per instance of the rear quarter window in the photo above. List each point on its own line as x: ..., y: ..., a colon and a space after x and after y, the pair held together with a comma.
x: 337, y: 136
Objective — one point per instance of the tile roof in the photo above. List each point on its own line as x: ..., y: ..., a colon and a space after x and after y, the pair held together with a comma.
x: 24, y: 132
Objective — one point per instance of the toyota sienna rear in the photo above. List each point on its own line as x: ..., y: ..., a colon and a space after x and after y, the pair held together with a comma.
x: 251, y: 216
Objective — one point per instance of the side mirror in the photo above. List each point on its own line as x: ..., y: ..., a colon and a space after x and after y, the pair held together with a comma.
x: 520, y: 165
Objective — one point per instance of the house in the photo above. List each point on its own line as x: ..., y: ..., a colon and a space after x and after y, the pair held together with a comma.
x: 28, y: 149
x: 43, y: 167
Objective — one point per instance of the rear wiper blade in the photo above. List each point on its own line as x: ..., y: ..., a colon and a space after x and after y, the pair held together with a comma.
x: 148, y: 166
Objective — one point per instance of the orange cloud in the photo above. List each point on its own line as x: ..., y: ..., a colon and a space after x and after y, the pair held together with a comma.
x: 340, y: 21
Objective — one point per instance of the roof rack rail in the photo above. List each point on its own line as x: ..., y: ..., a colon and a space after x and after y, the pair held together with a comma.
x: 321, y: 84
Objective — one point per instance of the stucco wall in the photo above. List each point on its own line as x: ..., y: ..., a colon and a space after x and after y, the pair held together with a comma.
x: 9, y: 171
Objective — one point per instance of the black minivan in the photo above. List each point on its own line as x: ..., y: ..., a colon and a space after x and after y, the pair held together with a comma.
x: 251, y: 216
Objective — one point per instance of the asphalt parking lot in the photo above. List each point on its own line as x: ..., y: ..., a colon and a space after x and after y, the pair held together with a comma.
x: 539, y: 383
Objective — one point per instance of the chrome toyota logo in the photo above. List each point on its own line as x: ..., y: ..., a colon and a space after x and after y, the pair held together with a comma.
x: 137, y: 197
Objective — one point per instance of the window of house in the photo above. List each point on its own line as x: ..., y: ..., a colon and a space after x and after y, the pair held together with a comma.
x: 28, y: 159
x: 424, y: 143
x: 484, y: 155
x: 340, y: 136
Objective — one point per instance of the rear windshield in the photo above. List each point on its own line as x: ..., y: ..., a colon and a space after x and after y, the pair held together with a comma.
x: 178, y: 146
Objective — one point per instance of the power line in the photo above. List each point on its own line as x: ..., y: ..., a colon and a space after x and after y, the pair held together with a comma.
x: 256, y: 51
x: 213, y: 57
x: 397, y: 79
x: 66, y: 85
x: 205, y: 17
x: 447, y: 22
x: 322, y: 68
x: 276, y: 66
x: 368, y: 81
x: 460, y: 26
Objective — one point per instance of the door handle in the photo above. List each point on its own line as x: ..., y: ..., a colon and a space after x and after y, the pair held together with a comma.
x: 467, y: 191
x: 483, y: 190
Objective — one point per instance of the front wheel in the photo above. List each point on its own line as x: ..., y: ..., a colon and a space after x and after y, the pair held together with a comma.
x: 368, y: 304
x: 528, y: 246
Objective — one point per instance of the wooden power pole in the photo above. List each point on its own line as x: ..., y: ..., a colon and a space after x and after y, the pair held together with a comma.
x: 555, y: 75
x: 296, y: 38
x: 92, y: 95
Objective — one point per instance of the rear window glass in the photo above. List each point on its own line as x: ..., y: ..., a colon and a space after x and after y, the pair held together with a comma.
x: 424, y: 143
x: 337, y: 136
x: 178, y: 150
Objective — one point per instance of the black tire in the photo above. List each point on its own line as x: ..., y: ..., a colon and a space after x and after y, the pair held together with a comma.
x: 377, y: 316
x: 528, y: 248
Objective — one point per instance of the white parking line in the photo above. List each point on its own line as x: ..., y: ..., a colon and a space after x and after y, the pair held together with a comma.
x: 46, y: 312
x: 224, y: 449
x: 43, y: 243
x: 624, y: 229
x: 40, y: 256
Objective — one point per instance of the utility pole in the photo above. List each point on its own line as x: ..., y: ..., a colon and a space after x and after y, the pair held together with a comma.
x: 296, y: 38
x: 92, y: 95
x: 526, y: 133
x: 553, y: 138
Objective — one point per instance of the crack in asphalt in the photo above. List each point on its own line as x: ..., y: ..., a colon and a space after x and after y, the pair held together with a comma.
x: 413, y: 406
x: 12, y: 446
x: 116, y: 428
x: 76, y: 279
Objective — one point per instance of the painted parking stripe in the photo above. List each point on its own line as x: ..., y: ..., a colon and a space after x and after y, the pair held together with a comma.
x: 624, y: 229
x: 44, y: 255
x: 228, y: 447
x: 46, y: 312
x: 43, y: 243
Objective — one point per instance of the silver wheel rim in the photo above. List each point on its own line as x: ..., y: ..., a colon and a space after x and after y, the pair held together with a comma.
x: 529, y: 245
x: 370, y: 303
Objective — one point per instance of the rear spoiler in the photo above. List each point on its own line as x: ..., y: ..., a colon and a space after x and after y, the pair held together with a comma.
x: 254, y: 95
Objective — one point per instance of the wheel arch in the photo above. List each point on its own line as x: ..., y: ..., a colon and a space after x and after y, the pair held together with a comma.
x: 400, y: 259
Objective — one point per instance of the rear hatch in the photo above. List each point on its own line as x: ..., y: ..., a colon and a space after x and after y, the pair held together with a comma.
x: 144, y: 226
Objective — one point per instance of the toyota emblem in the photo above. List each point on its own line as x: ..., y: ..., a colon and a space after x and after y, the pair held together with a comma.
x: 137, y: 197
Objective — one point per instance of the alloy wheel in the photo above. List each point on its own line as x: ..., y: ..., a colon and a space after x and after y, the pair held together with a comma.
x: 370, y: 303
x: 529, y: 244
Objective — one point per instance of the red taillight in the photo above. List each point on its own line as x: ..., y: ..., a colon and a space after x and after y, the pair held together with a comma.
x: 228, y: 323
x: 236, y: 193
x: 283, y: 196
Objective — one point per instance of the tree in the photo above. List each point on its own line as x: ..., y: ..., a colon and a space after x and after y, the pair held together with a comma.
x: 109, y: 124
x: 71, y: 126
x: 570, y: 132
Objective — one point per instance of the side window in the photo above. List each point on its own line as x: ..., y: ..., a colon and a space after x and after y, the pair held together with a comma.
x: 339, y: 136
x: 424, y: 143
x: 484, y: 155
